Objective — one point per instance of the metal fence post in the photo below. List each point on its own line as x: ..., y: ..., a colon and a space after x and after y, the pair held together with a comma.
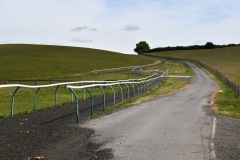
x: 84, y: 94
x: 104, y: 103
x: 144, y: 87
x: 141, y: 87
x: 148, y: 81
x: 12, y: 105
x: 35, y: 100
x: 121, y: 91
x: 91, y: 100
x: 152, y: 82
x: 72, y: 97
x: 114, y: 96
x: 77, y: 108
x: 128, y: 89
x: 93, y: 91
x: 133, y: 90
x: 137, y: 87
x: 56, y: 96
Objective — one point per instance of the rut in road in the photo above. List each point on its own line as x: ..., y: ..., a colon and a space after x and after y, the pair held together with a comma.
x: 173, y: 127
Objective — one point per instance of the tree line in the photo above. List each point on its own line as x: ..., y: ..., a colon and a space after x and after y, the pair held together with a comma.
x: 143, y: 47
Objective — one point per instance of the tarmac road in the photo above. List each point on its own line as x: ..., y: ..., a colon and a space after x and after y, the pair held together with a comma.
x: 178, y: 127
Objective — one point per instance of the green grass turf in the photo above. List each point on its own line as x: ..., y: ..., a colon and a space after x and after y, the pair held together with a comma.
x: 226, y: 60
x: 23, y: 61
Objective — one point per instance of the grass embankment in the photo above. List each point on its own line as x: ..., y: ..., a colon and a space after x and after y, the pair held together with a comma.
x: 50, y: 62
x: 227, y: 61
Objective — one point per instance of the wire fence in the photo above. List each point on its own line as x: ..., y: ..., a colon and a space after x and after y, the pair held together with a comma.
x: 234, y: 86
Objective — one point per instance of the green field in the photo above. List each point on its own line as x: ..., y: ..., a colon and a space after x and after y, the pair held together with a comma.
x: 54, y: 62
x: 226, y: 60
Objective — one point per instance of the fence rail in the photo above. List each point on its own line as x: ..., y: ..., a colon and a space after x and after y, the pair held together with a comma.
x: 112, y: 70
x: 92, y: 73
x: 135, y: 86
x: 57, y: 85
x: 142, y: 86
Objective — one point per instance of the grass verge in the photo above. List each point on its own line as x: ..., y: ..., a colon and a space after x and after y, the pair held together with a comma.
x: 169, y: 86
x: 226, y: 102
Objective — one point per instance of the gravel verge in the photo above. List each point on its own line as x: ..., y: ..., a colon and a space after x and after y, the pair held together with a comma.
x: 227, y: 138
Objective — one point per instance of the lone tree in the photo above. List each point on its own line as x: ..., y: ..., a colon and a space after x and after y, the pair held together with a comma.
x: 142, y: 47
x: 209, y: 45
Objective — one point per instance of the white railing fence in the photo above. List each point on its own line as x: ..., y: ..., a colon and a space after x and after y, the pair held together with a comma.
x: 134, y: 86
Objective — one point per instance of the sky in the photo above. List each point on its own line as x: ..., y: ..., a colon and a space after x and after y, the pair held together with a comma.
x: 117, y: 25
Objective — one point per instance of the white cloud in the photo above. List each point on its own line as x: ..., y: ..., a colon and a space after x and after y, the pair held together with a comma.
x: 83, y: 28
x: 130, y: 28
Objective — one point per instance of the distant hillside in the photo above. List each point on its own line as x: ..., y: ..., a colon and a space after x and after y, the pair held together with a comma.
x: 208, y: 45
x: 23, y: 61
x: 226, y: 60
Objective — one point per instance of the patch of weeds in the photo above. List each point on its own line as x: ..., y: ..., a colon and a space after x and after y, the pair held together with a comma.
x: 3, y: 116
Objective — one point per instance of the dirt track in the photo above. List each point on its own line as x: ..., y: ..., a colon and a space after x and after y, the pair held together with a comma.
x: 51, y: 130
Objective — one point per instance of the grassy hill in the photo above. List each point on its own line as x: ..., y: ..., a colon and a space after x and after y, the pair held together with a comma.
x: 226, y: 60
x: 23, y: 61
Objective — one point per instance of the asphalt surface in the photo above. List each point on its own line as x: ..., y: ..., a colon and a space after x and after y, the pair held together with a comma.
x: 174, y: 127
